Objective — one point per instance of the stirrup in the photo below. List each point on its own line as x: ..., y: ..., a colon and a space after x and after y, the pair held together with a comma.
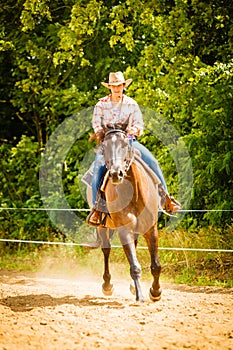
x: 101, y: 218
x: 89, y: 220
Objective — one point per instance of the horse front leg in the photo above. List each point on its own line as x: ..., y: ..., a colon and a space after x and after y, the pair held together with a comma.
x: 107, y: 287
x: 152, y: 242
x: 132, y: 285
x: 129, y: 246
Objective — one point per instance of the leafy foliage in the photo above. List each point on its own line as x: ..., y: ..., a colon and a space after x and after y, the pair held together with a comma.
x: 19, y: 189
x: 54, y: 56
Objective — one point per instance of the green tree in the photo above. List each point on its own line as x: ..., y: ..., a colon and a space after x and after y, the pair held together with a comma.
x: 179, y: 53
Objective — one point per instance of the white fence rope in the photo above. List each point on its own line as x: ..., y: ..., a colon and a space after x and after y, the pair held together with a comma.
x: 113, y: 246
x: 44, y: 209
x: 70, y: 209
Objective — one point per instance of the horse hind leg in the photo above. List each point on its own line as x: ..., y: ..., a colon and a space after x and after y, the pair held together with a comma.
x: 152, y: 242
x: 107, y: 287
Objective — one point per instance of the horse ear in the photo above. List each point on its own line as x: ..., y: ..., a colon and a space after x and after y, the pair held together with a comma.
x: 107, y: 128
x: 124, y: 126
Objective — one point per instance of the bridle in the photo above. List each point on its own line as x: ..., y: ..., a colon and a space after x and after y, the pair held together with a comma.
x: 115, y: 170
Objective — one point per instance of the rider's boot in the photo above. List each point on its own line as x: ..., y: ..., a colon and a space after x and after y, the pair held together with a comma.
x: 94, y: 218
x: 168, y: 203
x: 172, y: 205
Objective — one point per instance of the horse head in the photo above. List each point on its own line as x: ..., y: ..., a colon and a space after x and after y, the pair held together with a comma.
x: 117, y: 152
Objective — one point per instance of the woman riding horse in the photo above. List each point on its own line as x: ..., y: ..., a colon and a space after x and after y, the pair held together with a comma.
x: 116, y: 109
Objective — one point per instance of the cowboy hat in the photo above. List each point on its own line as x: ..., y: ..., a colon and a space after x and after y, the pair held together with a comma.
x: 116, y: 78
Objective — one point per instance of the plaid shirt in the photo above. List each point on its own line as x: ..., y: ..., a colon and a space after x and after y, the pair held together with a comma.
x: 104, y: 114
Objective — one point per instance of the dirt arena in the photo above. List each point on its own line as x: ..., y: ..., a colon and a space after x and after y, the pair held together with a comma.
x: 52, y: 312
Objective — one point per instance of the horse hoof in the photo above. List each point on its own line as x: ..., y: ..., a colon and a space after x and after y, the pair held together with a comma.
x: 155, y: 298
x: 108, y: 291
x: 140, y: 300
x: 132, y: 289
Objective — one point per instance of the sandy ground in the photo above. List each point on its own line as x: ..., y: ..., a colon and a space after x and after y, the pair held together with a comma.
x: 45, y: 311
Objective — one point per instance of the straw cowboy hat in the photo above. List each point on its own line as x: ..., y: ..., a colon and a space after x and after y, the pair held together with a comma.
x: 116, y: 78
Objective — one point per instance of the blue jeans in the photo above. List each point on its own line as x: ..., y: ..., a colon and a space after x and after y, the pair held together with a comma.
x: 150, y: 160
x: 147, y: 156
x: 98, y: 172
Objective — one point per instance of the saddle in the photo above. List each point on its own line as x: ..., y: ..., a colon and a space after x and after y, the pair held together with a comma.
x: 99, y: 215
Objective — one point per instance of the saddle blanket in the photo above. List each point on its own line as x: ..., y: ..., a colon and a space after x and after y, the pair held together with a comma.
x: 87, y: 177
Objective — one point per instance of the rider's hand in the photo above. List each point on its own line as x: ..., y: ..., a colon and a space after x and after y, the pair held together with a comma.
x: 100, y: 135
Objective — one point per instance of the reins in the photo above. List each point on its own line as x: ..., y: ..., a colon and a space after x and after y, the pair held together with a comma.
x: 111, y: 131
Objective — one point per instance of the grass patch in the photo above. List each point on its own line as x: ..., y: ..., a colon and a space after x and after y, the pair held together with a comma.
x: 22, y: 261
x: 198, y: 267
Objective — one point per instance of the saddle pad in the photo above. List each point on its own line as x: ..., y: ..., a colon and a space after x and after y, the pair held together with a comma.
x: 87, y: 177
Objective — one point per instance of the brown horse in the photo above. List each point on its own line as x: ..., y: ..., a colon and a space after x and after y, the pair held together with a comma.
x: 131, y: 194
